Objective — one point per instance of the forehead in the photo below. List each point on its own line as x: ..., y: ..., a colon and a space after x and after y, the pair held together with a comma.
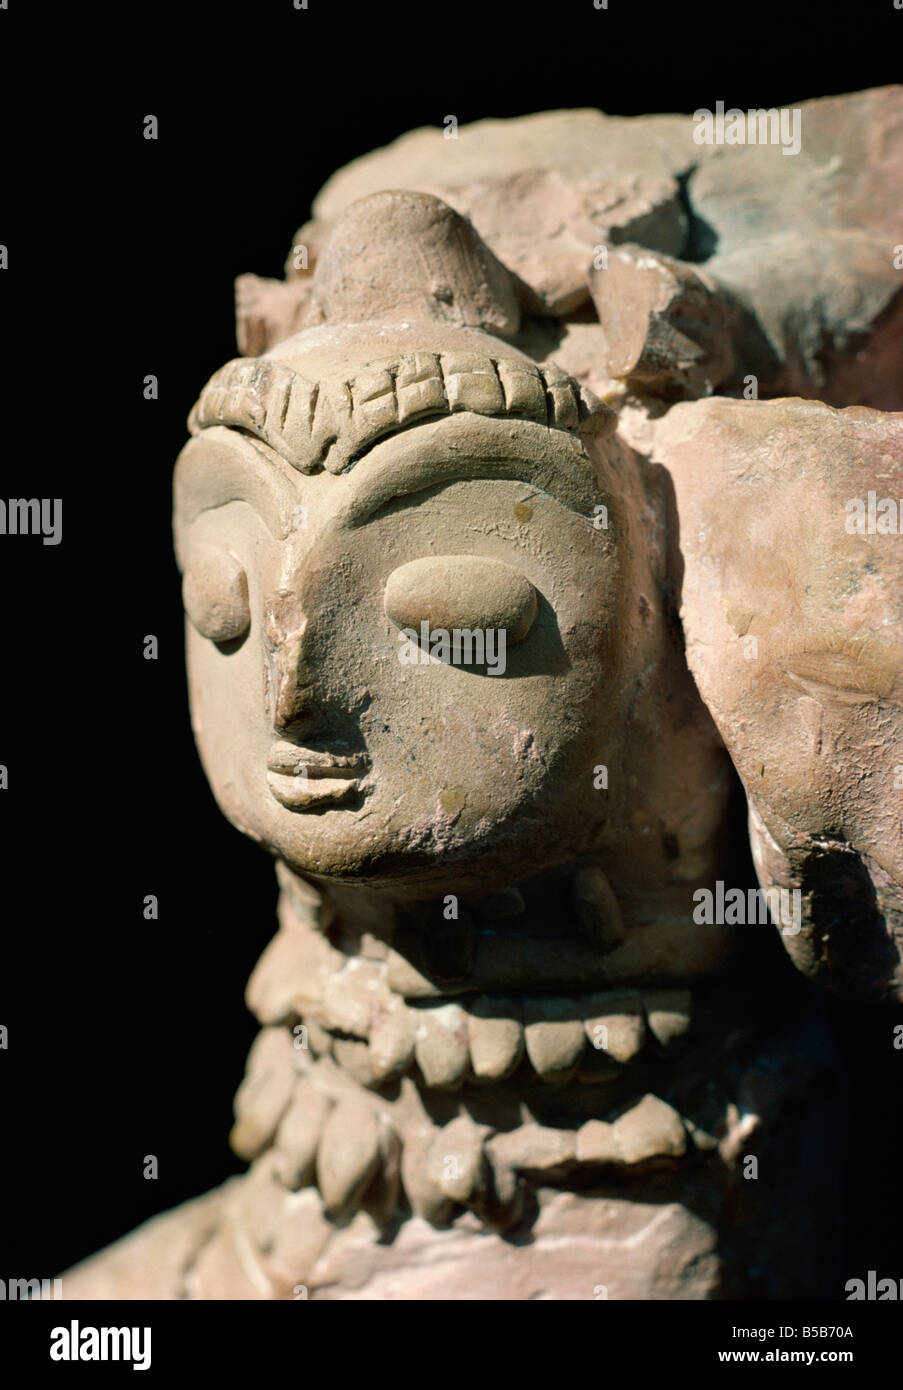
x: 222, y: 465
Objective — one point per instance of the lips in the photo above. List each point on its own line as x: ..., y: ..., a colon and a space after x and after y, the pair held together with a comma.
x: 302, y: 778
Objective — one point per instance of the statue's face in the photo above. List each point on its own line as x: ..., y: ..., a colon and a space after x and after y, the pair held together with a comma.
x: 354, y: 751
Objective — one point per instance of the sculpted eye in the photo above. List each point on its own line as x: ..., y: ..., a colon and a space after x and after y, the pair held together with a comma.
x: 215, y: 594
x: 464, y: 592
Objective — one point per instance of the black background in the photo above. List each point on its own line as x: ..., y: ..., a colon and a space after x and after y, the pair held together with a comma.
x: 128, y: 1037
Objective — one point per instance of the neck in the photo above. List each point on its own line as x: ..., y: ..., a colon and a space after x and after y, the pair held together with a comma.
x: 412, y: 1062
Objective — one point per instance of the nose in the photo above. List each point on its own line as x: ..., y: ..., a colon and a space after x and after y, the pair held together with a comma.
x: 288, y: 695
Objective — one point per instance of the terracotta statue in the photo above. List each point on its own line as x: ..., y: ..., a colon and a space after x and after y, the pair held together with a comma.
x: 500, y: 624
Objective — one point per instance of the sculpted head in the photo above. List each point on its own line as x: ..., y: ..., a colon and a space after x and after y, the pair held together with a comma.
x: 365, y: 487
x: 329, y: 729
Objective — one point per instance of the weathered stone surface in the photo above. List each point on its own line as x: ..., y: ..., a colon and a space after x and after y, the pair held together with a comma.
x: 298, y: 1135
x: 303, y: 1232
x: 650, y: 1129
x: 666, y: 327
x: 804, y: 241
x: 319, y: 1041
x: 668, y: 1014
x: 351, y: 997
x: 615, y: 1023
x: 440, y: 1044
x: 290, y: 974
x: 227, y: 1270
x: 808, y: 240
x: 354, y: 1057
x: 264, y: 1093
x: 455, y: 1160
x: 597, y: 1142
x: 392, y: 1038
x: 793, y: 610
x: 495, y: 1034
x: 255, y: 1212
x: 266, y: 311
x: 554, y: 1036
x: 535, y: 1148
x: 348, y: 1153
x: 597, y: 909
x: 543, y: 192
x: 373, y: 268
x: 151, y: 1262
x: 582, y: 1249
x: 384, y: 1194
x: 421, y: 1187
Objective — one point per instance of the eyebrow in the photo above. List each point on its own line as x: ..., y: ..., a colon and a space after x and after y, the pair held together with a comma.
x: 551, y: 463
x: 224, y: 466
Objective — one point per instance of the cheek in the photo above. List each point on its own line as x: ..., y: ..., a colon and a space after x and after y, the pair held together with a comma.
x: 230, y: 562
x: 459, y: 747
x: 228, y: 712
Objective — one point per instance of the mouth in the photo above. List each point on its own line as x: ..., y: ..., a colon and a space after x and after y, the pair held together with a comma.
x: 307, y: 778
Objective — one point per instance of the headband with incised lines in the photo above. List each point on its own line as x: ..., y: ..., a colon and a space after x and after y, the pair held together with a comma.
x: 328, y: 423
